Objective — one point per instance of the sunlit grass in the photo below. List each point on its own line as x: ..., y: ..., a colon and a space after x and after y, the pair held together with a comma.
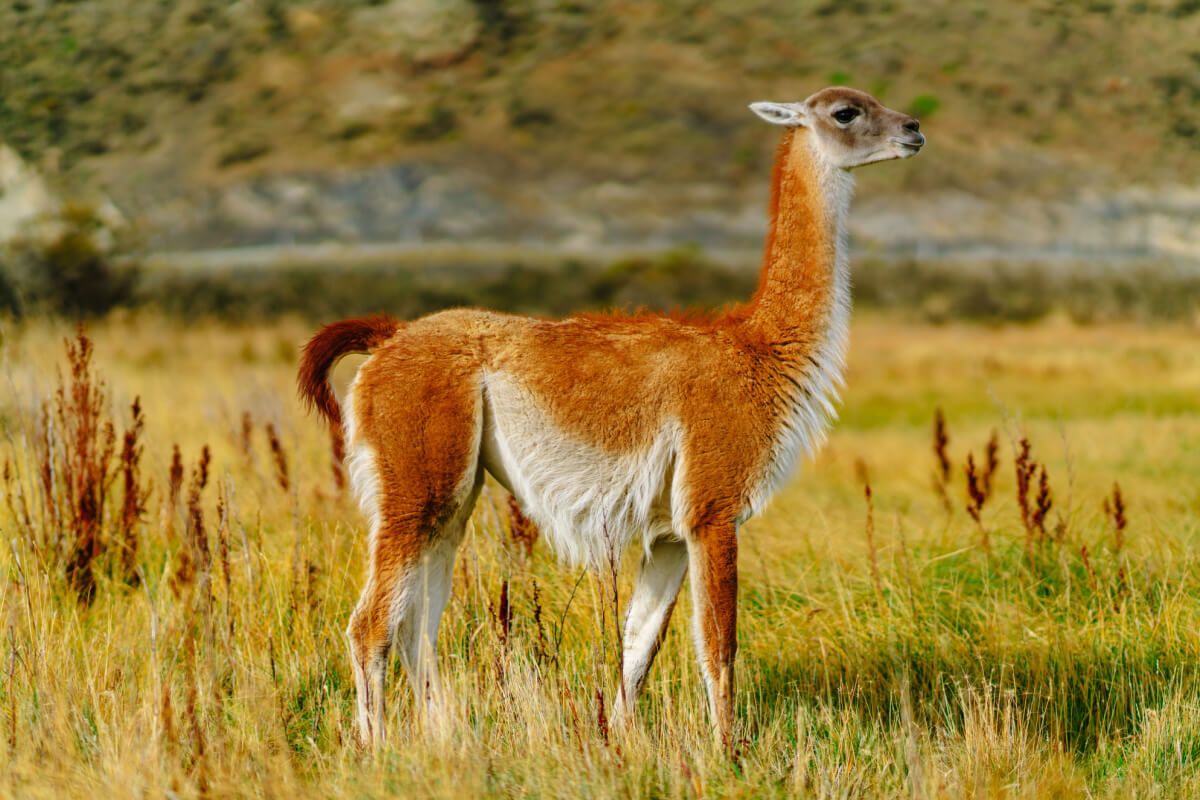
x: 958, y: 673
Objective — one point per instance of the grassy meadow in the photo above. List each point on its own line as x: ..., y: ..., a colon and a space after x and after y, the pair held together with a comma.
x: 192, y: 645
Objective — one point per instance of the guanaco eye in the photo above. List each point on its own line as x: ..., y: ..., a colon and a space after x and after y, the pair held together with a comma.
x: 845, y: 115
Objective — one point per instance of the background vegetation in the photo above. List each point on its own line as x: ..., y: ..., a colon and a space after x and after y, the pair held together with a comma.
x: 183, y: 634
x: 70, y: 276
x: 1095, y: 91
x: 164, y: 104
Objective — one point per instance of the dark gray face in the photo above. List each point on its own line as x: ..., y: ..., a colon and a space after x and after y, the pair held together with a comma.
x: 850, y: 128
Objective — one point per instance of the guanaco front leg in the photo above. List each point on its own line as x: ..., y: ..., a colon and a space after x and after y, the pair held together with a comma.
x: 712, y: 552
x: 650, y: 609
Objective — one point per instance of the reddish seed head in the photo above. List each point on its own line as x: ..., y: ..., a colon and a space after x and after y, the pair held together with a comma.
x: 941, y: 438
x: 281, y: 466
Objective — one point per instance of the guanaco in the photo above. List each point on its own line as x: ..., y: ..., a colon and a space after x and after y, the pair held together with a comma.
x: 667, y: 429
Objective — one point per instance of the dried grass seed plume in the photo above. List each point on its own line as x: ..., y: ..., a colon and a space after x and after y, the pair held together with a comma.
x: 870, y: 530
x: 941, y: 475
x: 521, y: 529
x: 1024, y: 466
x: 976, y: 499
x: 279, y: 456
x: 1114, y: 509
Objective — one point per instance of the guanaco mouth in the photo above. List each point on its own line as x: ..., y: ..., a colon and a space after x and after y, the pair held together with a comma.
x: 916, y: 143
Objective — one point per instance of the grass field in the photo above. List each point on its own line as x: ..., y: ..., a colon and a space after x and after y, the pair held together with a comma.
x: 895, y: 657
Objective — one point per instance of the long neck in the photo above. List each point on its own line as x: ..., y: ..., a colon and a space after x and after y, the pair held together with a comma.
x: 801, y: 311
x: 804, y: 286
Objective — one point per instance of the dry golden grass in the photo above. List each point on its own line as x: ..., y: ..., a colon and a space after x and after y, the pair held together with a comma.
x: 952, y: 672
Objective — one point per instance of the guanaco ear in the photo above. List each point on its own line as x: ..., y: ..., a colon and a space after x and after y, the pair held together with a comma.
x: 790, y: 114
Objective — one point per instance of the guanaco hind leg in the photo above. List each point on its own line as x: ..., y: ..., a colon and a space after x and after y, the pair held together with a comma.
x: 402, y: 605
x: 370, y: 640
x: 421, y: 615
x: 414, y: 459
x: 658, y: 583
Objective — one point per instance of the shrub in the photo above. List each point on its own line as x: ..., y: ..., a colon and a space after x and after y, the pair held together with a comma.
x: 924, y: 105
x: 70, y: 273
x: 59, y: 494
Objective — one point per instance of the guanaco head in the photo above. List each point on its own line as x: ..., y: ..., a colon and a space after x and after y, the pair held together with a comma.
x: 849, y: 128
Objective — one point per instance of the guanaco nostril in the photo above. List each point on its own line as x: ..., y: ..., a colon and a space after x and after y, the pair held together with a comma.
x: 912, y: 125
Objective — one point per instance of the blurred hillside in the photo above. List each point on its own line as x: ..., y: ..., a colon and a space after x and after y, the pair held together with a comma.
x: 1067, y: 127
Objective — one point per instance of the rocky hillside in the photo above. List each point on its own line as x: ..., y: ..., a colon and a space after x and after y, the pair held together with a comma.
x: 1056, y: 126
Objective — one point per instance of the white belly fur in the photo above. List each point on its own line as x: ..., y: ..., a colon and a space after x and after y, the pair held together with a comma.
x: 589, y: 504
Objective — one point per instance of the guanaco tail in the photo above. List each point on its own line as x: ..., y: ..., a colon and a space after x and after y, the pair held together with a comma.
x: 669, y: 430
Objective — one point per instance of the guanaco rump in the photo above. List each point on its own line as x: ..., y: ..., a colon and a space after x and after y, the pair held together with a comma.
x: 670, y: 430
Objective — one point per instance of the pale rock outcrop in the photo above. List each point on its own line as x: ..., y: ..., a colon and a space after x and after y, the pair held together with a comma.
x: 26, y: 201
x: 419, y: 30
